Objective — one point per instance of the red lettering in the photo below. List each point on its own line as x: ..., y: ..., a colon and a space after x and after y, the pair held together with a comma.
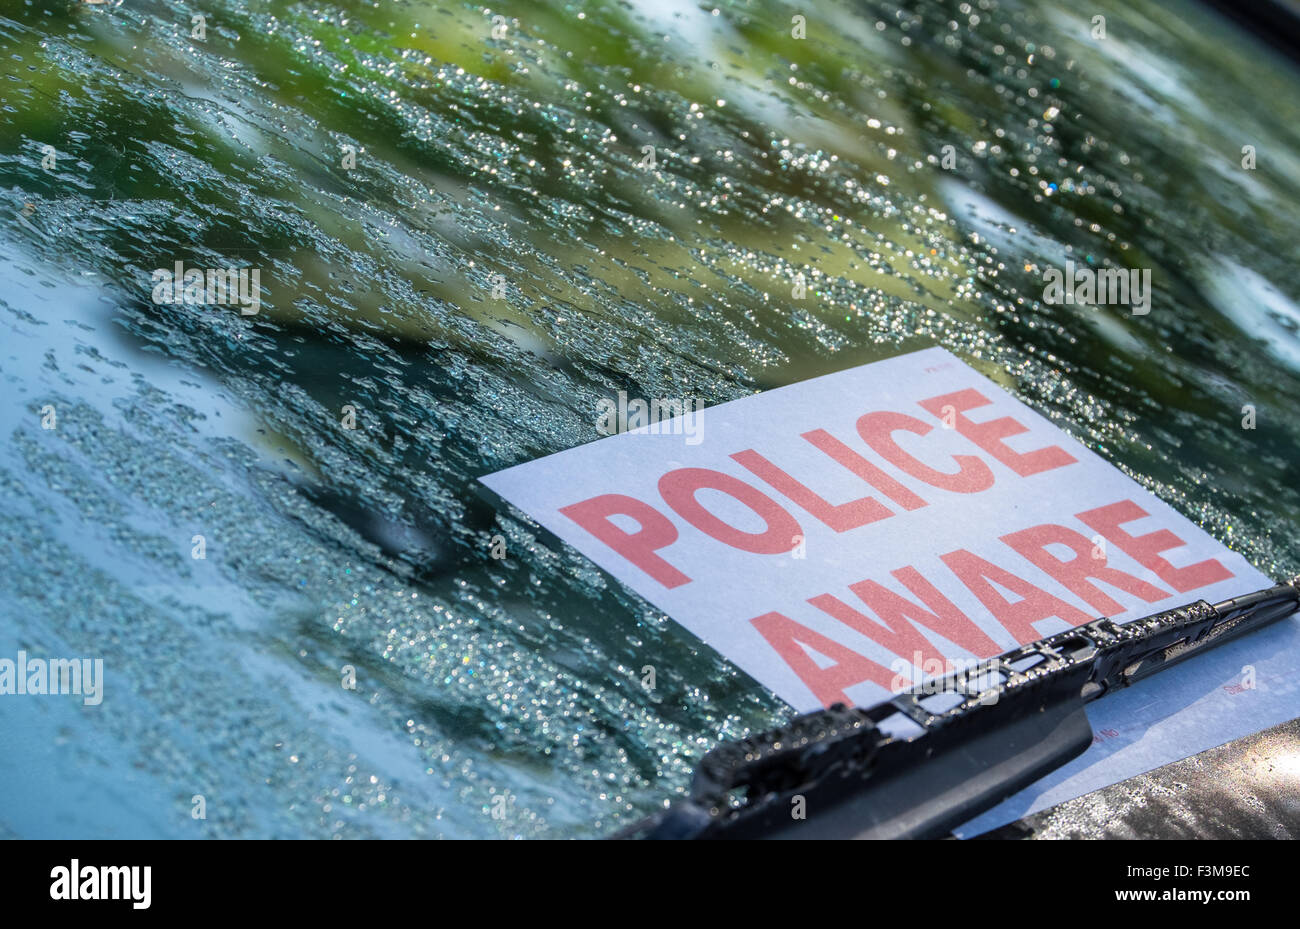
x: 898, y: 634
x: 840, y: 517
x: 1017, y: 617
x: 989, y: 435
x: 656, y: 532
x: 1146, y: 549
x: 827, y: 684
x: 864, y: 469
x: 941, y: 614
x: 678, y: 488
x: 1073, y: 574
x: 878, y: 429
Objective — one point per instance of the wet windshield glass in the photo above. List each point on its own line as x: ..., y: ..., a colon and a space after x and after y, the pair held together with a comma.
x: 469, y: 227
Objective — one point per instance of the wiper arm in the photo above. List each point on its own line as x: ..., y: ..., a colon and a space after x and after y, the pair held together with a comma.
x: 985, y: 733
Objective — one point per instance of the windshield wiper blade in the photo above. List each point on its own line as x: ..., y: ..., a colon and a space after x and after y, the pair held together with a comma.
x: 984, y: 734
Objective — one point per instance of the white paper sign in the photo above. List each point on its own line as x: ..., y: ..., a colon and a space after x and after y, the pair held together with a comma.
x: 847, y: 536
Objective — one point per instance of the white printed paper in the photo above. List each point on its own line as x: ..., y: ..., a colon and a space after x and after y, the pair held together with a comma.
x: 847, y: 536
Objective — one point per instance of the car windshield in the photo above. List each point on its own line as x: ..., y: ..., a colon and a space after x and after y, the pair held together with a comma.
x: 469, y: 227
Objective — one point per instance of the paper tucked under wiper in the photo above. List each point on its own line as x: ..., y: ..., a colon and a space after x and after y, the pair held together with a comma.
x: 849, y: 536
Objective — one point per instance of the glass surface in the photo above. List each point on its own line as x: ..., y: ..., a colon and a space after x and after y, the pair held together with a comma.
x: 461, y: 237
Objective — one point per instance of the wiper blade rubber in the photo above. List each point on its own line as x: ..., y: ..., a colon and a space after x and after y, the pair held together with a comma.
x: 979, y: 735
